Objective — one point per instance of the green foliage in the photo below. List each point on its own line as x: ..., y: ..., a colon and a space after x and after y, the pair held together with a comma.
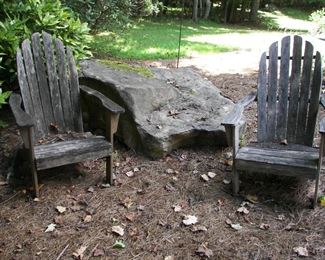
x: 19, y: 19
x: 3, y: 97
x: 318, y: 17
x: 112, y: 14
x: 104, y: 14
x: 145, y: 7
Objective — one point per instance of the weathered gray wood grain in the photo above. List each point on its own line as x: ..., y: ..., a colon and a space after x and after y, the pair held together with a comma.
x: 40, y: 126
x: 61, y: 153
x: 314, y: 100
x: 74, y: 91
x: 39, y: 60
x: 21, y: 117
x: 272, y: 91
x: 53, y: 82
x: 261, y: 100
x: 294, y: 89
x: 24, y: 88
x: 304, y: 94
x: 282, y: 110
x: 105, y: 102
x: 64, y: 85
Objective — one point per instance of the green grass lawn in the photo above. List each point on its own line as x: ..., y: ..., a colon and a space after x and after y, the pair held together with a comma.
x: 158, y: 39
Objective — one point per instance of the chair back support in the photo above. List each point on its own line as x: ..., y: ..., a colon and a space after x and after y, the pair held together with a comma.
x: 289, y: 84
x: 49, y: 85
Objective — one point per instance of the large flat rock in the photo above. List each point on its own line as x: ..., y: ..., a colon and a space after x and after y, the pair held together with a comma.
x: 175, y: 108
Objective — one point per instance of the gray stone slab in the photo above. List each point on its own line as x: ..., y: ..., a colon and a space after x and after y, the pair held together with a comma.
x: 175, y: 108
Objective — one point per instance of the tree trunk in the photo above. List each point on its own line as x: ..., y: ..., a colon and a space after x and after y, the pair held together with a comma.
x: 195, y: 10
x: 201, y: 8
x: 254, y: 10
x: 207, y: 9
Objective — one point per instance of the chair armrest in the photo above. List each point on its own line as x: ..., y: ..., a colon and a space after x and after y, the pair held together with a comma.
x: 22, y: 118
x: 105, y: 101
x: 233, y: 118
x: 232, y: 121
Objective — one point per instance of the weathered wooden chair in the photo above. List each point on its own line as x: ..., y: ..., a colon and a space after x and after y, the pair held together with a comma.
x: 288, y: 98
x: 50, y: 93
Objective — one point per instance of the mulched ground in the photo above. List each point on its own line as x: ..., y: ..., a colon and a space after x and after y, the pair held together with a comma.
x: 151, y: 205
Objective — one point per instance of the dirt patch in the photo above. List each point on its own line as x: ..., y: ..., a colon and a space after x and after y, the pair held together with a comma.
x: 144, y: 205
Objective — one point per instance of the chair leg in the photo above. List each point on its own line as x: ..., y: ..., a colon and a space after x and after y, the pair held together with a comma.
x: 35, y: 180
x: 235, y: 180
x: 109, y: 169
x: 316, y: 190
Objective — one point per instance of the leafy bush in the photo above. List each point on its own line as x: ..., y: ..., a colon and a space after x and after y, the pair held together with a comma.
x: 102, y: 14
x: 19, y: 19
x: 318, y: 17
x: 112, y: 14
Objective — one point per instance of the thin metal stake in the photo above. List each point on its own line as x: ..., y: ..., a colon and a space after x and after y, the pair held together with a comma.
x: 180, y: 35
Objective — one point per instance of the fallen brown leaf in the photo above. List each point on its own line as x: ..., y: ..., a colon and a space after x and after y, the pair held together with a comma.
x: 212, y: 175
x: 300, y: 251
x: 61, y: 209
x: 252, y: 198
x: 127, y: 202
x: 79, y: 253
x: 199, y: 228
x: 243, y: 210
x: 204, y: 177
x: 264, y: 226
x: 98, y: 252
x: 118, y: 230
x: 204, y: 251
x: 87, y: 218
x: 131, y: 216
x: 189, y: 220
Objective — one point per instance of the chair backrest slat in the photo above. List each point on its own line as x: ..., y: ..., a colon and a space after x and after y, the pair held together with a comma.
x: 282, y: 111
x: 75, y: 92
x: 53, y: 82
x: 261, y: 97
x: 304, y: 93
x: 23, y: 83
x: 49, y: 85
x: 34, y: 92
x: 44, y: 91
x: 288, y: 99
x: 63, y: 82
x: 314, y: 99
x: 272, y: 91
x: 294, y: 89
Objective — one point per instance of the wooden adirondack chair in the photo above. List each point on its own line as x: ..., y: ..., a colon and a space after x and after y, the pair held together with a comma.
x: 288, y: 98
x: 50, y: 93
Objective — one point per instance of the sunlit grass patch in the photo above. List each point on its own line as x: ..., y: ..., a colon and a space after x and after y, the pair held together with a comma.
x: 150, y: 40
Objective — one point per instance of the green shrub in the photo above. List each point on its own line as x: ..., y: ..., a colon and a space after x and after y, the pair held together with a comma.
x: 19, y: 19
x: 318, y: 17
x: 102, y: 14
x: 112, y: 14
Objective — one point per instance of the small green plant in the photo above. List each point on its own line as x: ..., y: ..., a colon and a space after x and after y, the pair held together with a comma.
x: 3, y: 97
x: 3, y: 100
x: 242, y: 141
